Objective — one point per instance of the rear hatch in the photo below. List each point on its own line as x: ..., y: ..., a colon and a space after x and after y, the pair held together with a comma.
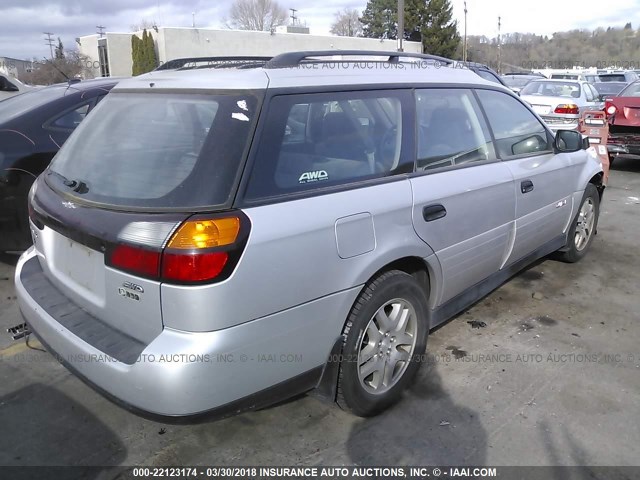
x: 140, y: 168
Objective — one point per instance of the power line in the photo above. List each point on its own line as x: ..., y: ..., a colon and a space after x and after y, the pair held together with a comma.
x: 100, y: 30
x: 49, y: 41
x: 293, y: 16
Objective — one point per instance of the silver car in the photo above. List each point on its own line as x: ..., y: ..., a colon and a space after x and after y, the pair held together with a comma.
x: 216, y: 239
x: 560, y: 102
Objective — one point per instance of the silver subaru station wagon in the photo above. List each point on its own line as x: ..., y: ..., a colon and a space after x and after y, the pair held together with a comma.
x: 219, y: 237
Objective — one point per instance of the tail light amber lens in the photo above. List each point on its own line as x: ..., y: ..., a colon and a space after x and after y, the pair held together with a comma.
x: 568, y: 108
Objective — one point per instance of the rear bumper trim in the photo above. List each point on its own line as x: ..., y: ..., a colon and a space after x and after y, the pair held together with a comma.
x: 99, y: 335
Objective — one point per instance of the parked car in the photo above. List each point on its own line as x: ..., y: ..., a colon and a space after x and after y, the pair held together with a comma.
x: 569, y: 76
x: 33, y: 126
x: 515, y: 81
x: 559, y: 102
x: 607, y: 90
x: 624, y: 77
x: 623, y: 114
x: 10, y: 86
x: 212, y: 254
x: 485, y: 72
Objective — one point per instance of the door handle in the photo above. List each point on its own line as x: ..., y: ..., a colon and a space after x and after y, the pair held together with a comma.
x: 526, y: 186
x: 433, y: 212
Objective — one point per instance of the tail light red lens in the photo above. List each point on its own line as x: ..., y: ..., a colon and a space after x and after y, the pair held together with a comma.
x: 200, y: 250
x: 196, y: 267
x: 610, y: 108
x: 136, y: 260
x: 567, y: 108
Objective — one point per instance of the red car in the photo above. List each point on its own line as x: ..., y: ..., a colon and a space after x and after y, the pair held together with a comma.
x: 623, y: 114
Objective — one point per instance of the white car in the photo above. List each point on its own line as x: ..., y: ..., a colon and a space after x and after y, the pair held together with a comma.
x: 10, y: 86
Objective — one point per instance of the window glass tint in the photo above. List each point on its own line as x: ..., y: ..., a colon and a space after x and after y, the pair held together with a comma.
x: 22, y: 103
x: 552, y: 89
x: 72, y: 119
x: 451, y: 129
x: 158, y: 150
x: 516, y: 130
x: 319, y: 140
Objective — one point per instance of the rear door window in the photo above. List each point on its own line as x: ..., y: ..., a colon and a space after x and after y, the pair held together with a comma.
x: 451, y: 129
x: 516, y: 129
x: 320, y: 140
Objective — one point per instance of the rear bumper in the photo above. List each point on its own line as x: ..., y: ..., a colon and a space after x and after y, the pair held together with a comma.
x: 184, y: 373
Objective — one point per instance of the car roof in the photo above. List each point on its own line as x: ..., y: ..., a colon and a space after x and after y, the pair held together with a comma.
x: 330, y: 72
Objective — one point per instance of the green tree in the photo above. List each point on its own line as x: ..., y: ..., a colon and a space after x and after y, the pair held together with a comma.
x: 143, y: 53
x: 429, y: 21
x: 150, y: 53
x: 439, y: 30
x: 136, y: 68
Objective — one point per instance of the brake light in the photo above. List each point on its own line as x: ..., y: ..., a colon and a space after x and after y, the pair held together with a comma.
x: 193, y: 267
x: 200, y: 250
x: 568, y: 108
x: 610, y: 108
x: 136, y: 260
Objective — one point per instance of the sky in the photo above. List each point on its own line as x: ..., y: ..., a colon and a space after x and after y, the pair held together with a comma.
x: 22, y: 22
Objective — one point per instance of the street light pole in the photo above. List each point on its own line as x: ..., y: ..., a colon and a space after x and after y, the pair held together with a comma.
x: 400, y: 24
x: 464, y: 48
x: 499, y: 47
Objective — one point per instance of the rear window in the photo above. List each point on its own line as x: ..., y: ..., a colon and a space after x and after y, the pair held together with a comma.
x: 613, y: 77
x: 632, y: 90
x: 552, y: 89
x: 157, y: 150
x: 22, y: 103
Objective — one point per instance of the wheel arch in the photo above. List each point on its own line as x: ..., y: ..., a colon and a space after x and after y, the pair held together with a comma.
x: 423, y: 271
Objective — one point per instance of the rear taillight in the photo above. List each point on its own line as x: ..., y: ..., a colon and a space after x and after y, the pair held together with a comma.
x: 200, y: 250
x: 568, y: 108
x: 136, y: 260
x: 610, y: 108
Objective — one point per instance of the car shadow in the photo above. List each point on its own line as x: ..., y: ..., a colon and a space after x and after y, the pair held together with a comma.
x: 40, y: 428
x: 426, y: 428
x: 626, y: 164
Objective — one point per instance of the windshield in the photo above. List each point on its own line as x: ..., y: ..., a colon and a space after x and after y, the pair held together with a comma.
x: 552, y: 89
x: 20, y: 104
x: 609, y: 88
x: 157, y: 150
x: 516, y: 80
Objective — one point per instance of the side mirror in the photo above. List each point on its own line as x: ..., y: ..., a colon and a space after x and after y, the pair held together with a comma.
x: 568, y: 141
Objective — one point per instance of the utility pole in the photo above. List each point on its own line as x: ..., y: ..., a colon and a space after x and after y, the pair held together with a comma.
x: 293, y: 16
x: 49, y: 41
x: 400, y: 25
x: 499, y: 47
x: 464, y: 47
x: 193, y: 19
x: 100, y: 30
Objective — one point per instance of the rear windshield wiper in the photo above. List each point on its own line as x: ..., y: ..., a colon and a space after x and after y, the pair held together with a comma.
x: 77, y: 186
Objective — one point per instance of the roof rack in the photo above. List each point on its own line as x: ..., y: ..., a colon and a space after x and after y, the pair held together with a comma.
x: 213, y: 62
x: 293, y: 59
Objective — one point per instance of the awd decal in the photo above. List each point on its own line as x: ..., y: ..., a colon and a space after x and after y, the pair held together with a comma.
x: 316, y: 176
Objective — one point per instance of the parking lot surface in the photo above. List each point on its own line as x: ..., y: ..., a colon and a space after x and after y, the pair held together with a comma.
x: 552, y: 379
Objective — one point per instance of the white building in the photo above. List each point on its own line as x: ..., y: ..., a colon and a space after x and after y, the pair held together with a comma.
x: 110, y: 54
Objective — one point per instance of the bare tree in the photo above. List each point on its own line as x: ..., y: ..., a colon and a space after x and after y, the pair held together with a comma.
x: 143, y: 24
x: 73, y: 65
x: 346, y: 23
x: 262, y: 15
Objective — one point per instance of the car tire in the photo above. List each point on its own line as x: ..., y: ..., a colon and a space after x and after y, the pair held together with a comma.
x: 611, y: 159
x: 384, y: 340
x: 584, y: 226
